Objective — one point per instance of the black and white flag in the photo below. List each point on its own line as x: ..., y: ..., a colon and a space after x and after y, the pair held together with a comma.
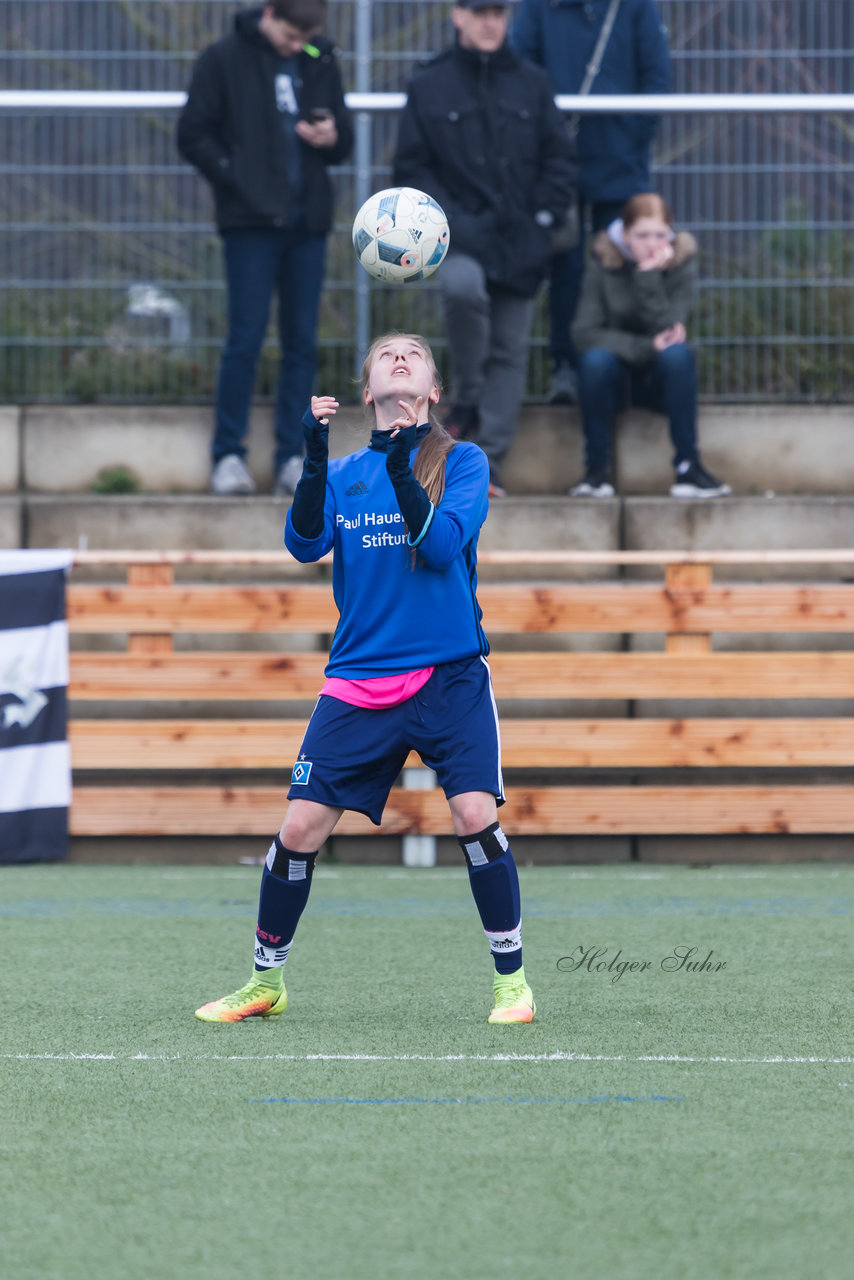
x: 35, y: 759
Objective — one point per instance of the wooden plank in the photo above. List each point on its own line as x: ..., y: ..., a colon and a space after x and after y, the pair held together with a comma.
x: 668, y: 675
x: 277, y: 676
x: 151, y: 575
x: 532, y: 556
x: 196, y: 608
x: 185, y: 744
x: 540, y: 744
x: 672, y: 744
x: 678, y: 577
x: 647, y: 607
x: 530, y: 811
x: 197, y: 676
x: 549, y: 607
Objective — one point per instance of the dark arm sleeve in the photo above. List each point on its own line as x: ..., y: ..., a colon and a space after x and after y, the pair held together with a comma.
x: 415, y: 162
x: 415, y: 507
x: 200, y: 125
x: 558, y: 167
x: 310, y: 494
x: 338, y: 153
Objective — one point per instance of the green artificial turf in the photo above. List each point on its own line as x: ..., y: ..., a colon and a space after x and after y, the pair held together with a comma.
x: 664, y: 1125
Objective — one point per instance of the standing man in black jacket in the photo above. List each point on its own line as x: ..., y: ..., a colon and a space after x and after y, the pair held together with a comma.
x: 265, y: 117
x: 481, y: 134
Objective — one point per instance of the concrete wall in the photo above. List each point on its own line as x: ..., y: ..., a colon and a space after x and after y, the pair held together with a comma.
x: 10, y: 460
x: 167, y: 449
x: 200, y: 522
x: 12, y: 533
x: 756, y: 448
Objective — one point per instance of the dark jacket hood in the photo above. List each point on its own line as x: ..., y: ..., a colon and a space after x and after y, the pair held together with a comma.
x: 246, y: 25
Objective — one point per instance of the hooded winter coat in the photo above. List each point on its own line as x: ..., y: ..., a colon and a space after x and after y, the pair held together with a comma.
x: 622, y: 309
x: 481, y: 134
x: 561, y: 35
x: 231, y: 129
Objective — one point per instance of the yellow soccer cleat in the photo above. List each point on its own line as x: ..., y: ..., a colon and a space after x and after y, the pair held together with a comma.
x: 514, y: 999
x: 252, y: 1001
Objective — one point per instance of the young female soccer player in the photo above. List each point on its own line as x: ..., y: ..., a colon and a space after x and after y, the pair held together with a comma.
x: 407, y: 668
x: 630, y: 331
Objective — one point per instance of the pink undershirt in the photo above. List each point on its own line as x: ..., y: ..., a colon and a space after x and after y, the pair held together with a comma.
x: 378, y: 692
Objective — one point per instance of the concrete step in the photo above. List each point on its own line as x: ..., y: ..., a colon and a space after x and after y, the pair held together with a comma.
x: 756, y: 448
x: 201, y: 522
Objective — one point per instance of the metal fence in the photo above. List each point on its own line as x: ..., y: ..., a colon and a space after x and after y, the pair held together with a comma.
x: 110, y: 267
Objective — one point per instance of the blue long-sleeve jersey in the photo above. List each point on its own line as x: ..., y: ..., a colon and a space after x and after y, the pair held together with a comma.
x: 395, y: 616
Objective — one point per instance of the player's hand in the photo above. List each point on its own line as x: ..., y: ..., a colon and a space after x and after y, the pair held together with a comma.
x: 409, y: 416
x: 323, y: 408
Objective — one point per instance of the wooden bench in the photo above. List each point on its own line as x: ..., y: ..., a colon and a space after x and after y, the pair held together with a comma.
x: 687, y: 607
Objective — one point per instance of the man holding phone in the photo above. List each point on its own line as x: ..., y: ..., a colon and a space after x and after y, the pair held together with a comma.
x: 264, y: 119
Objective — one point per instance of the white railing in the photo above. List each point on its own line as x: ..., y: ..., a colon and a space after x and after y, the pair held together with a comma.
x: 597, y: 104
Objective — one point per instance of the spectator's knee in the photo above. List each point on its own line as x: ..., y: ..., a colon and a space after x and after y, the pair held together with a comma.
x: 463, y: 280
x: 597, y: 364
x: 678, y: 358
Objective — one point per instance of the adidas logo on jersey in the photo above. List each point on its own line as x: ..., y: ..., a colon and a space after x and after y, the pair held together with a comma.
x: 356, y: 490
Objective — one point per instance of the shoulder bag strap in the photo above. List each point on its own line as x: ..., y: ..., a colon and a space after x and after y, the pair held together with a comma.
x: 592, y: 69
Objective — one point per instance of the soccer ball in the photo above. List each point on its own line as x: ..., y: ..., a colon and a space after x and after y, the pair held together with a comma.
x: 400, y: 235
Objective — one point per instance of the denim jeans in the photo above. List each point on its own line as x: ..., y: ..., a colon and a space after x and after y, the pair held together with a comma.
x: 666, y: 384
x: 567, y: 275
x: 257, y: 263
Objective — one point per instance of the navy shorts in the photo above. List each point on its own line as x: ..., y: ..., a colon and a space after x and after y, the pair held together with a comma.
x: 351, y: 756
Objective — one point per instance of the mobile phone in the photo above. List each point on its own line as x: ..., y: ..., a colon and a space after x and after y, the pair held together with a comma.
x: 316, y: 114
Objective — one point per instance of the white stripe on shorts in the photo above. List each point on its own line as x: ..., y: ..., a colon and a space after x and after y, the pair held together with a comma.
x: 500, y: 775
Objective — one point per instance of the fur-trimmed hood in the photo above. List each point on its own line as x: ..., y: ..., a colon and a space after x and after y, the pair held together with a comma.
x: 608, y: 253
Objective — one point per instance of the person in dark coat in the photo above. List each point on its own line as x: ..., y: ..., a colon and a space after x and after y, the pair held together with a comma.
x: 613, y: 150
x: 481, y: 134
x: 265, y: 118
x: 631, y: 332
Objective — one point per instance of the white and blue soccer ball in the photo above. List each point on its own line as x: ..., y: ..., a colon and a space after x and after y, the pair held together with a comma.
x: 400, y: 235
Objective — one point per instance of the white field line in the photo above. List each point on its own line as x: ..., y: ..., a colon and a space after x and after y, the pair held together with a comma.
x: 608, y: 873
x: 775, y: 1060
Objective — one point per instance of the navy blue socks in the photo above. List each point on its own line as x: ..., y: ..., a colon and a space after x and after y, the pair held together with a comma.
x: 495, y: 888
x: 286, y: 883
x: 285, y: 886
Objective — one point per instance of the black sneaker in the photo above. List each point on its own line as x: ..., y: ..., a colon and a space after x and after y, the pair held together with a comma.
x: 595, y: 484
x: 694, y: 481
x: 461, y: 421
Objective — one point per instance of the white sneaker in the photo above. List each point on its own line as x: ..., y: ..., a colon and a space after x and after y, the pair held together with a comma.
x: 230, y: 476
x: 594, y: 485
x: 288, y: 477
